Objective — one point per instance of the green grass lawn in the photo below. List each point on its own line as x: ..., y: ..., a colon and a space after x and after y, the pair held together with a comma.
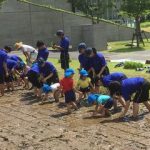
x: 121, y: 46
x: 146, y: 26
x: 75, y: 64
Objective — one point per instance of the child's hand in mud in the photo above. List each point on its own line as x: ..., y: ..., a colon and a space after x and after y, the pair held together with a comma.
x: 94, y: 114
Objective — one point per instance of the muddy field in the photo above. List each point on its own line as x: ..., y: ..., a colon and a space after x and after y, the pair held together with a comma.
x: 26, y: 125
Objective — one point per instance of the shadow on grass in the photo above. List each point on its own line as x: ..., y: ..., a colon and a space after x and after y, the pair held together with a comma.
x: 128, y: 49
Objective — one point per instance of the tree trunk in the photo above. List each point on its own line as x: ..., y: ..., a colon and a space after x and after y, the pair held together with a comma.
x: 73, y: 7
x: 138, y: 30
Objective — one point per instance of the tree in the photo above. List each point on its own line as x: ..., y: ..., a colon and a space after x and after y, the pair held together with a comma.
x: 136, y: 9
x: 94, y: 9
x: 1, y: 1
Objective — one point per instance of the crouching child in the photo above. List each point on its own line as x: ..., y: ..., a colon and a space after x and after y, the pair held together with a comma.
x: 103, y: 104
x: 53, y: 88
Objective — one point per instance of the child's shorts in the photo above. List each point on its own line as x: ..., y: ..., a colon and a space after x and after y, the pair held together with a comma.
x: 2, y: 78
x: 33, y: 77
x: 85, y: 90
x: 109, y: 104
x: 70, y: 96
x: 142, y: 95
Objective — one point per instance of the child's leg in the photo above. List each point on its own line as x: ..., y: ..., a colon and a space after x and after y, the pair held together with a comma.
x: 85, y: 95
x: 35, y: 91
x: 12, y: 86
x: 74, y: 105
x: 135, y: 109
x: 147, y: 104
x: 80, y: 96
x: 44, y: 98
x: 26, y: 82
x: 115, y: 104
x: 56, y: 95
x: 97, y: 90
x: 107, y: 112
x: 2, y: 89
x: 69, y: 108
x: 39, y: 93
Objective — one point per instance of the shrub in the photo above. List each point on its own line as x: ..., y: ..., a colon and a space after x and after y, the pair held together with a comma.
x: 133, y: 65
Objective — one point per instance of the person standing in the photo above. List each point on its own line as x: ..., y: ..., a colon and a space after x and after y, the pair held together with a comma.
x: 29, y: 52
x: 42, y: 50
x: 3, y: 70
x: 64, y: 48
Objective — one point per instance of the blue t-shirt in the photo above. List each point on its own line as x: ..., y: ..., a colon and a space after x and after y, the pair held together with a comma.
x: 35, y: 68
x: 98, y: 61
x: 43, y: 54
x: 130, y: 86
x: 47, y: 69
x: 85, y: 62
x: 117, y: 76
x: 14, y: 57
x: 64, y: 43
x: 102, y: 99
x: 11, y: 64
x: 3, y: 59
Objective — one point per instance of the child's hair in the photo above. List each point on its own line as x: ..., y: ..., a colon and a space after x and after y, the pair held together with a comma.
x: 94, y: 50
x: 81, y: 76
x: 8, y: 48
x: 115, y: 88
x: 40, y: 43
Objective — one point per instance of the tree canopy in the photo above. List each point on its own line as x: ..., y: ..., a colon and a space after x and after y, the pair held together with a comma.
x: 136, y: 9
x: 1, y: 1
x: 94, y: 9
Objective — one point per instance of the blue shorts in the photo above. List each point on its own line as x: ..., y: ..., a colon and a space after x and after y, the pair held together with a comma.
x: 70, y: 96
x: 109, y: 104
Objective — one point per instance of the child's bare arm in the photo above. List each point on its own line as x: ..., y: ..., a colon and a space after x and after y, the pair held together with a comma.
x: 97, y: 109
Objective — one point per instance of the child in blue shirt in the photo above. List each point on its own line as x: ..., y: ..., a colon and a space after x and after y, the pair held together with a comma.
x: 124, y: 91
x: 12, y: 71
x: 103, y: 103
x: 48, y: 72
x: 34, y: 78
x: 42, y: 50
x: 3, y: 70
x: 52, y: 88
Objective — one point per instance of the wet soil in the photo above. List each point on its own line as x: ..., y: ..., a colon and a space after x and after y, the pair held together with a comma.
x: 26, y: 125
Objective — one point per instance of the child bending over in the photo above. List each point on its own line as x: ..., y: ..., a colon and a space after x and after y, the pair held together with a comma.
x: 103, y: 104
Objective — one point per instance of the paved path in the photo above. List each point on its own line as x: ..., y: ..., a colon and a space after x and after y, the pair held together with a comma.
x: 138, y: 55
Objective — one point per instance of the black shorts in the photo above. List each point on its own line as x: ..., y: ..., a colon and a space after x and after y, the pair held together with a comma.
x: 9, y: 78
x: 64, y: 59
x: 53, y: 79
x: 33, y: 77
x: 70, y: 96
x: 142, y: 95
x: 2, y: 78
x: 109, y: 104
x: 85, y: 90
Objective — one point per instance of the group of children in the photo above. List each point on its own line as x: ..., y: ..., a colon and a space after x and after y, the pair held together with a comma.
x: 93, y: 74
